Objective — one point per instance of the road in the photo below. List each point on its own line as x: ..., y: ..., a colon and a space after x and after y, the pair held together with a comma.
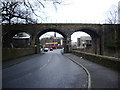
x: 49, y: 70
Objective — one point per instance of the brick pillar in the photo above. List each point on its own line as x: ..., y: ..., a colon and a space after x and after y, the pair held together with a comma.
x: 69, y: 44
x: 37, y: 48
x: 65, y: 45
x: 94, y: 45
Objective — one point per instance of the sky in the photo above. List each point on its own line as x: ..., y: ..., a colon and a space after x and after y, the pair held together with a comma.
x: 77, y: 11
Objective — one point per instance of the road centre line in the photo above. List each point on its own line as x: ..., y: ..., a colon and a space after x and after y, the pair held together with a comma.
x: 46, y: 64
x: 43, y: 66
x: 49, y: 59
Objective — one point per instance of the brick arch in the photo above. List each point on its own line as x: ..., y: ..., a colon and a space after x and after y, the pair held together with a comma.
x: 95, y: 37
x: 13, y: 32
x: 41, y: 32
x: 91, y: 31
x: 49, y: 30
x: 7, y: 37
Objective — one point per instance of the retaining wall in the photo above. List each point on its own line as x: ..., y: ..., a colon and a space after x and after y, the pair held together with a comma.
x: 110, y: 62
x: 13, y: 53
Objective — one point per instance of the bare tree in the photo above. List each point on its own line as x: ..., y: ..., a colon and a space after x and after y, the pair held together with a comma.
x: 23, y: 10
x: 11, y: 10
x: 112, y: 18
x: 112, y: 15
x: 119, y: 12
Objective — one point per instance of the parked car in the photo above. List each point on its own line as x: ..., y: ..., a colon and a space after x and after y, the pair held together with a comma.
x: 51, y: 49
x: 45, y: 49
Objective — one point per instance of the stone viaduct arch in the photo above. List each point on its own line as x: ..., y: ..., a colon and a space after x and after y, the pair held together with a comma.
x: 7, y: 37
x: 49, y: 30
x: 36, y: 30
x: 95, y: 37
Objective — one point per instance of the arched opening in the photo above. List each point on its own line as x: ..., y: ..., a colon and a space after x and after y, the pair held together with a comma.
x: 50, y: 38
x: 87, y: 40
x: 21, y: 40
x: 16, y: 39
x: 81, y: 41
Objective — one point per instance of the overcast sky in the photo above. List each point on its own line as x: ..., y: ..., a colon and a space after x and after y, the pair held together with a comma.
x: 78, y: 11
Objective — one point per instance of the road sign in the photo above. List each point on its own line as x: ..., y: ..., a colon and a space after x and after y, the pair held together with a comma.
x: 52, y: 43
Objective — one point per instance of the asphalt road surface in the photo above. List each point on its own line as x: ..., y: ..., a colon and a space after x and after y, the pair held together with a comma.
x: 49, y: 70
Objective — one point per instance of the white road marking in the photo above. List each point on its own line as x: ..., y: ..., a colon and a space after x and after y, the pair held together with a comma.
x: 49, y: 59
x: 43, y: 66
x: 30, y: 74
x: 89, y: 76
x: 46, y: 64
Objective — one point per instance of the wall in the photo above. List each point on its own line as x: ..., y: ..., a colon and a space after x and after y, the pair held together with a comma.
x: 111, y: 35
x: 13, y: 53
x: 112, y: 52
x: 103, y: 60
x: 20, y: 43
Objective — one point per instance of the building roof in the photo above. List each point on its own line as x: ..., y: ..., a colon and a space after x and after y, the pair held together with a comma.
x: 85, y: 38
x: 53, y: 38
x: 21, y: 37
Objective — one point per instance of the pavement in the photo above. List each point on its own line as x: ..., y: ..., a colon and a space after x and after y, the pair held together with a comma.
x: 101, y: 76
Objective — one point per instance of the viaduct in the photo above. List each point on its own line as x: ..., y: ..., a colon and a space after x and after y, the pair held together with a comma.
x: 100, y: 33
